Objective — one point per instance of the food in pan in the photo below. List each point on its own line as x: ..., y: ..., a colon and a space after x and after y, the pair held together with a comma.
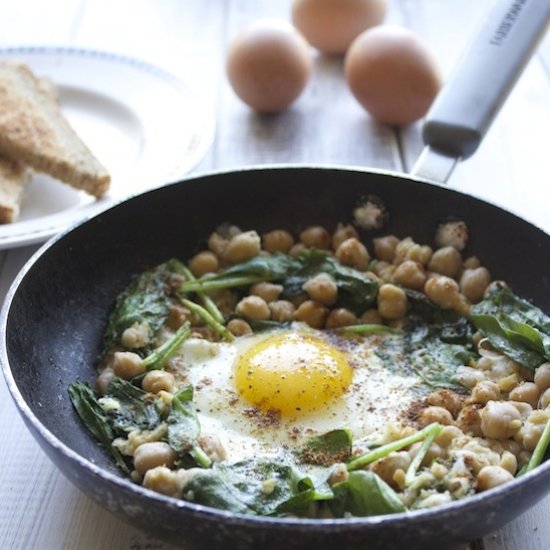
x: 309, y: 376
x: 35, y: 135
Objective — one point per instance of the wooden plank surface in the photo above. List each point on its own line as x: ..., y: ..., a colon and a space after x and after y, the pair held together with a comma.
x: 38, y: 507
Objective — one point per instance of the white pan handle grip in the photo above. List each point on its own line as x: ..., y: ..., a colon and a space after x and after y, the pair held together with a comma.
x: 469, y: 101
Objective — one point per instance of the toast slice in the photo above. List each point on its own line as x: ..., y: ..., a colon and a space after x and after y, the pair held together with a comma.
x: 13, y: 177
x: 34, y: 131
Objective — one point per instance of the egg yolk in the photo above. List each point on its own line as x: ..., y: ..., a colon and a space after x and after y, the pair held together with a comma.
x: 292, y: 373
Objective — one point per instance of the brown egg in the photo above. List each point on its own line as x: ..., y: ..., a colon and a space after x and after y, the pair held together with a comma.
x: 331, y: 25
x: 268, y: 65
x: 392, y: 74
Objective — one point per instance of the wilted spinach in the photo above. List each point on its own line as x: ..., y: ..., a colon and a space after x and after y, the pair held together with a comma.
x: 514, y: 326
x: 364, y: 494
x: 184, y: 428
x: 429, y: 351
x: 144, y: 301
x: 327, y: 448
x: 137, y: 409
x: 255, y: 486
x: 95, y: 419
x: 356, y: 291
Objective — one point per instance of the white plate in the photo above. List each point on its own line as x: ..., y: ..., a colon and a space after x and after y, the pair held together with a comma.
x: 143, y: 124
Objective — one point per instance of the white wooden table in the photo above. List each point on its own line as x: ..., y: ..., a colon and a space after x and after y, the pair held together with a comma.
x: 38, y: 507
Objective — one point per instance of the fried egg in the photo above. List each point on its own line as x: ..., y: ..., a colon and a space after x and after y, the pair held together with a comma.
x: 277, y: 389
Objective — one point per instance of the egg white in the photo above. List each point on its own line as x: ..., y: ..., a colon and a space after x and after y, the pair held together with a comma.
x: 374, y: 398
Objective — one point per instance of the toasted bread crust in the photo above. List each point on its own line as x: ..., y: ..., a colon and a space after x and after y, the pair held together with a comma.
x: 34, y: 131
x: 13, y: 177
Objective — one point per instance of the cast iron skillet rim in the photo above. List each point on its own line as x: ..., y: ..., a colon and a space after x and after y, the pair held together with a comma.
x: 48, y: 437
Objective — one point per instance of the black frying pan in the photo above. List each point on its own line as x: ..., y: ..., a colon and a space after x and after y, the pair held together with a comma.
x: 55, y: 313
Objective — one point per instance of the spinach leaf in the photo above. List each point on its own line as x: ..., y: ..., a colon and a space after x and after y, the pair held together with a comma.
x: 95, y: 419
x: 184, y: 429
x: 137, y: 408
x: 328, y: 448
x: 255, y: 486
x: 364, y: 494
x: 514, y: 326
x: 434, y: 360
x: 356, y: 291
x: 427, y: 351
x: 261, y: 268
x: 183, y: 424
x: 144, y: 301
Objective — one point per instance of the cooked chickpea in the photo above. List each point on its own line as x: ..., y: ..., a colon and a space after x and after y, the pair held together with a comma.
x: 434, y: 452
x: 471, y: 263
x: 162, y: 480
x: 322, y: 288
x: 407, y: 249
x: 242, y: 247
x: 447, y: 399
x: 158, y: 380
x: 152, y: 454
x: 239, y: 327
x: 443, y: 291
x: 410, y: 274
x: 469, y: 420
x: 316, y: 236
x: 452, y: 233
x: 485, y: 391
x: 542, y: 376
x: 297, y: 249
x: 213, y: 447
x: 313, y: 313
x: 353, y: 253
x: 544, y: 400
x: 392, y: 302
x: 523, y: 408
x: 217, y: 244
x: 268, y: 291
x: 509, y: 462
x: 342, y: 233
x: 281, y: 311
x: 278, y: 240
x: 435, y: 414
x: 341, y: 317
x: 533, y: 429
x: 384, y: 247
x: 371, y: 317
x: 338, y: 474
x: 136, y: 336
x: 127, y: 364
x: 253, y: 307
x: 177, y: 315
x: 474, y: 283
x: 420, y: 253
x: 447, y: 435
x: 225, y: 298
x: 384, y: 270
x: 469, y: 377
x: 492, y: 476
x: 387, y: 466
x: 204, y: 262
x: 446, y: 261
x: 500, y: 420
x: 527, y: 392
x: 103, y: 380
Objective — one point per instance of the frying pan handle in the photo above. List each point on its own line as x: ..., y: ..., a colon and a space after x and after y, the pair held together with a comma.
x: 473, y: 95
